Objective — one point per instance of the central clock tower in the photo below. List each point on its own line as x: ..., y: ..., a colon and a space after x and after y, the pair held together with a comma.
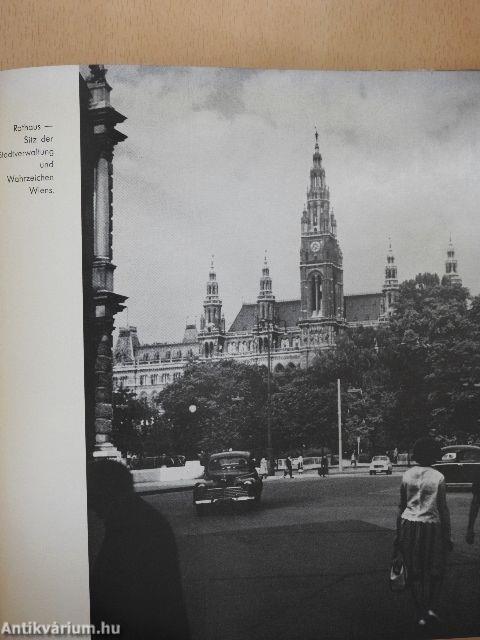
x: 321, y: 272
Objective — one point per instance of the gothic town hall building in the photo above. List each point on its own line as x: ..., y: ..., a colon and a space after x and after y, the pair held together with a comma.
x: 289, y: 332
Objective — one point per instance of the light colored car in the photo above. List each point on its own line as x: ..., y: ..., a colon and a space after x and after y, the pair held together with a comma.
x: 380, y: 464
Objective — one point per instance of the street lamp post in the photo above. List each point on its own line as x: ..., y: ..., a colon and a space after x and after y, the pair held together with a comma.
x: 339, y: 415
x: 271, y: 468
x: 262, y: 324
x: 354, y: 391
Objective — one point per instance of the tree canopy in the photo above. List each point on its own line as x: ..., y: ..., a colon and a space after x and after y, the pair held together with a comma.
x: 416, y: 373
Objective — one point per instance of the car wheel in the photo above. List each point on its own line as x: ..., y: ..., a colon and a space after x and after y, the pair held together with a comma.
x: 389, y: 472
x: 371, y: 473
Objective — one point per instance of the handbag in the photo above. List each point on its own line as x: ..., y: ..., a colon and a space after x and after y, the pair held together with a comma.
x: 398, y: 574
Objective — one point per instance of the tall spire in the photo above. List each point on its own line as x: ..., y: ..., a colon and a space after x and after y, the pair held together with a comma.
x: 265, y: 299
x: 316, y: 215
x: 390, y: 285
x: 265, y: 281
x: 212, y: 285
x: 317, y: 158
x: 390, y: 269
x: 212, y: 274
x: 451, y: 265
x: 321, y: 276
x: 212, y: 304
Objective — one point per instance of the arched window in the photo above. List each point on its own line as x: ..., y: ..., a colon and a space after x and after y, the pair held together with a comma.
x: 316, y: 293
x: 334, y: 292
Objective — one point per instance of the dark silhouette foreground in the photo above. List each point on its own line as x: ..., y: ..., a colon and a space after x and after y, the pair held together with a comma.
x: 135, y: 579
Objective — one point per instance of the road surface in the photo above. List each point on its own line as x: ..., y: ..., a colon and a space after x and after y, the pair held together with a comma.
x: 311, y: 562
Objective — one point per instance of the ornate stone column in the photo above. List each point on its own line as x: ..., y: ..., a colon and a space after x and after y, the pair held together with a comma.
x: 106, y: 303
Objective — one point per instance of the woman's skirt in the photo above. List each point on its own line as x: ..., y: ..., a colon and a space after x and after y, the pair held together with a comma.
x: 423, y: 548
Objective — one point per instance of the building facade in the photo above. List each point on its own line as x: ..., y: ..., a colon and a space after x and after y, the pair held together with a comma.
x: 282, y: 333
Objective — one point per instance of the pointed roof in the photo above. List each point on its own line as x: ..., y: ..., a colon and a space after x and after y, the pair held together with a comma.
x: 288, y: 312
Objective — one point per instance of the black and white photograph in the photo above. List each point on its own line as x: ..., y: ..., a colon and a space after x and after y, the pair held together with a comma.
x: 281, y: 352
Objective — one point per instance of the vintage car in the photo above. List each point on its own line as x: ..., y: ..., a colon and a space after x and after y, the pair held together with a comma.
x: 460, y: 464
x: 380, y: 464
x: 229, y: 477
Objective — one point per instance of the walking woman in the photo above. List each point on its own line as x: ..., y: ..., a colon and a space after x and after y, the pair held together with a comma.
x: 423, y: 529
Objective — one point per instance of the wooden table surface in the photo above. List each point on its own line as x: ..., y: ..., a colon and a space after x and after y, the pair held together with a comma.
x: 334, y: 34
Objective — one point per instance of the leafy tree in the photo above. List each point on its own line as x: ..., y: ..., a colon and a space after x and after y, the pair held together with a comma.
x: 417, y: 373
x: 229, y: 400
x: 129, y: 418
x: 435, y: 366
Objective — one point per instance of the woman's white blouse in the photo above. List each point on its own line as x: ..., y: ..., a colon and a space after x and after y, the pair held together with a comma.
x: 420, y: 486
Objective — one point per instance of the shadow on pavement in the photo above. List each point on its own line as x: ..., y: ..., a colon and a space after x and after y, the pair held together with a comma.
x: 315, y: 581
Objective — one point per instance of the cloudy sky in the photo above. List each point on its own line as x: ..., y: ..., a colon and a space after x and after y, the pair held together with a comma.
x: 217, y: 162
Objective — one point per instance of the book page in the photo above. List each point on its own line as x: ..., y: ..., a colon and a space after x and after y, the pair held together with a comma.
x: 43, y: 546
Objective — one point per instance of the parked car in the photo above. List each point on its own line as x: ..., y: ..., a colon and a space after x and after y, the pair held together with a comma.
x: 380, y: 464
x: 178, y: 461
x: 229, y: 477
x: 460, y: 464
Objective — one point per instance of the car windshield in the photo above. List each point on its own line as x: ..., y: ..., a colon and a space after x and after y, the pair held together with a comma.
x: 379, y: 458
x: 229, y: 462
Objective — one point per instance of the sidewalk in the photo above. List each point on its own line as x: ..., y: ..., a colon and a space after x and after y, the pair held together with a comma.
x: 151, y: 488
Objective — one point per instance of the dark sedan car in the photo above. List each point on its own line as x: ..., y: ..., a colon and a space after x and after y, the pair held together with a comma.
x: 230, y: 477
x: 460, y: 464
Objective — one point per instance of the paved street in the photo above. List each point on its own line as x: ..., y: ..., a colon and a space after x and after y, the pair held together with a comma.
x: 311, y: 563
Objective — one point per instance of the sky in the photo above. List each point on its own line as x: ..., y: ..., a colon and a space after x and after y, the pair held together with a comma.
x: 217, y: 163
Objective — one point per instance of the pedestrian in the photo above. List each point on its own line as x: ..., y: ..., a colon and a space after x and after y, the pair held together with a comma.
x: 323, y: 471
x: 423, y: 530
x: 163, y: 460
x: 395, y: 455
x: 288, y: 467
x: 474, y: 507
x: 300, y: 463
x: 353, y: 460
x: 263, y: 468
x: 135, y: 579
